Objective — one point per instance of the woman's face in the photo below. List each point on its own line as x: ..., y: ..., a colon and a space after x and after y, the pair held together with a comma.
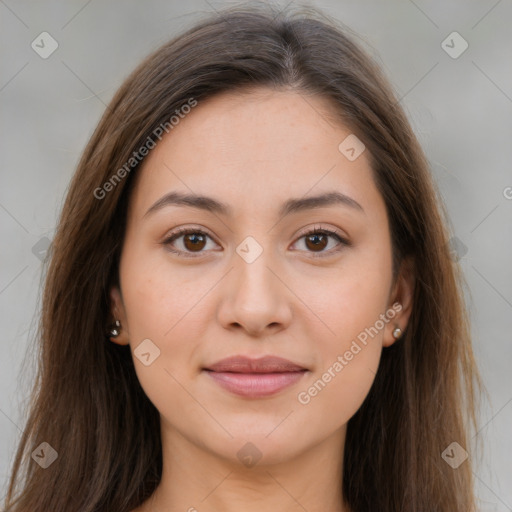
x: 248, y: 280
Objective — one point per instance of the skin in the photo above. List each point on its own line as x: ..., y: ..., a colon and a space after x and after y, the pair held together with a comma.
x: 253, y: 151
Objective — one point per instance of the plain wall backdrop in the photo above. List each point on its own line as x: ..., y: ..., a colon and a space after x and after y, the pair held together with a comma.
x: 458, y: 99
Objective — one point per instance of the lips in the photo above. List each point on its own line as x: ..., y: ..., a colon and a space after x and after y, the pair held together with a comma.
x: 255, y: 378
x: 267, y: 364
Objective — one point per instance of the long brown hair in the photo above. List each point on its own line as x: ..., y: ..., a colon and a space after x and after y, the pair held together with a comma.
x: 87, y: 402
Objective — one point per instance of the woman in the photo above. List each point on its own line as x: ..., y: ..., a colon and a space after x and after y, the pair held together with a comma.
x: 250, y: 301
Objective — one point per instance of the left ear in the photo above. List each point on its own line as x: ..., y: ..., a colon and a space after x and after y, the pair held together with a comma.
x: 402, y: 293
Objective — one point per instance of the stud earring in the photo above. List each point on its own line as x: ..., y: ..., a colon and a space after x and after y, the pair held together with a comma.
x: 115, y: 329
x: 397, y: 333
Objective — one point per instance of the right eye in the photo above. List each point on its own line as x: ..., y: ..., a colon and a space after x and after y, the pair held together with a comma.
x: 194, y: 240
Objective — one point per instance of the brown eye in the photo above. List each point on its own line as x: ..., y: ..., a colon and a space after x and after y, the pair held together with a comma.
x: 193, y: 241
x: 316, y: 241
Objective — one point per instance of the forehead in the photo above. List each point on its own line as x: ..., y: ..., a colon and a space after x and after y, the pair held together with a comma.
x: 255, y: 147
x: 240, y: 120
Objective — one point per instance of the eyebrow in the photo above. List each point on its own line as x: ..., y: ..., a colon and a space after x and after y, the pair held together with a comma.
x: 290, y: 206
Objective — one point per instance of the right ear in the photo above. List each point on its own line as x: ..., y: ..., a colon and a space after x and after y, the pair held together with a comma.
x: 117, y: 312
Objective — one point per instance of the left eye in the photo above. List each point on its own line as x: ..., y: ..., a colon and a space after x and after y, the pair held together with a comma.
x: 194, y: 241
x: 318, y: 239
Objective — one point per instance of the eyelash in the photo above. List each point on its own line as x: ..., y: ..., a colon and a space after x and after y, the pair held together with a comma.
x: 315, y: 231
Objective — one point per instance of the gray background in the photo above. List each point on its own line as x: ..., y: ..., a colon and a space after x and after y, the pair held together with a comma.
x: 460, y: 109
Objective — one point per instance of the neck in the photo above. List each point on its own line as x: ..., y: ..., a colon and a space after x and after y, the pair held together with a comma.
x: 196, y: 480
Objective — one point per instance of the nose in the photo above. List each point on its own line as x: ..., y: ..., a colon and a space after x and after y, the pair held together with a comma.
x: 255, y: 297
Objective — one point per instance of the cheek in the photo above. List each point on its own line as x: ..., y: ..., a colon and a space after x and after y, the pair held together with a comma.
x: 349, y: 298
x: 157, y: 297
x: 352, y: 307
x: 335, y: 395
x: 348, y: 359
x: 163, y: 307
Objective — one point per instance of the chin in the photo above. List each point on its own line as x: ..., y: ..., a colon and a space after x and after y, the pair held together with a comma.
x: 252, y: 445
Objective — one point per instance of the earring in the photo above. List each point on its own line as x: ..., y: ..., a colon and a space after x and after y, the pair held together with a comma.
x: 115, y: 329
x: 397, y: 333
